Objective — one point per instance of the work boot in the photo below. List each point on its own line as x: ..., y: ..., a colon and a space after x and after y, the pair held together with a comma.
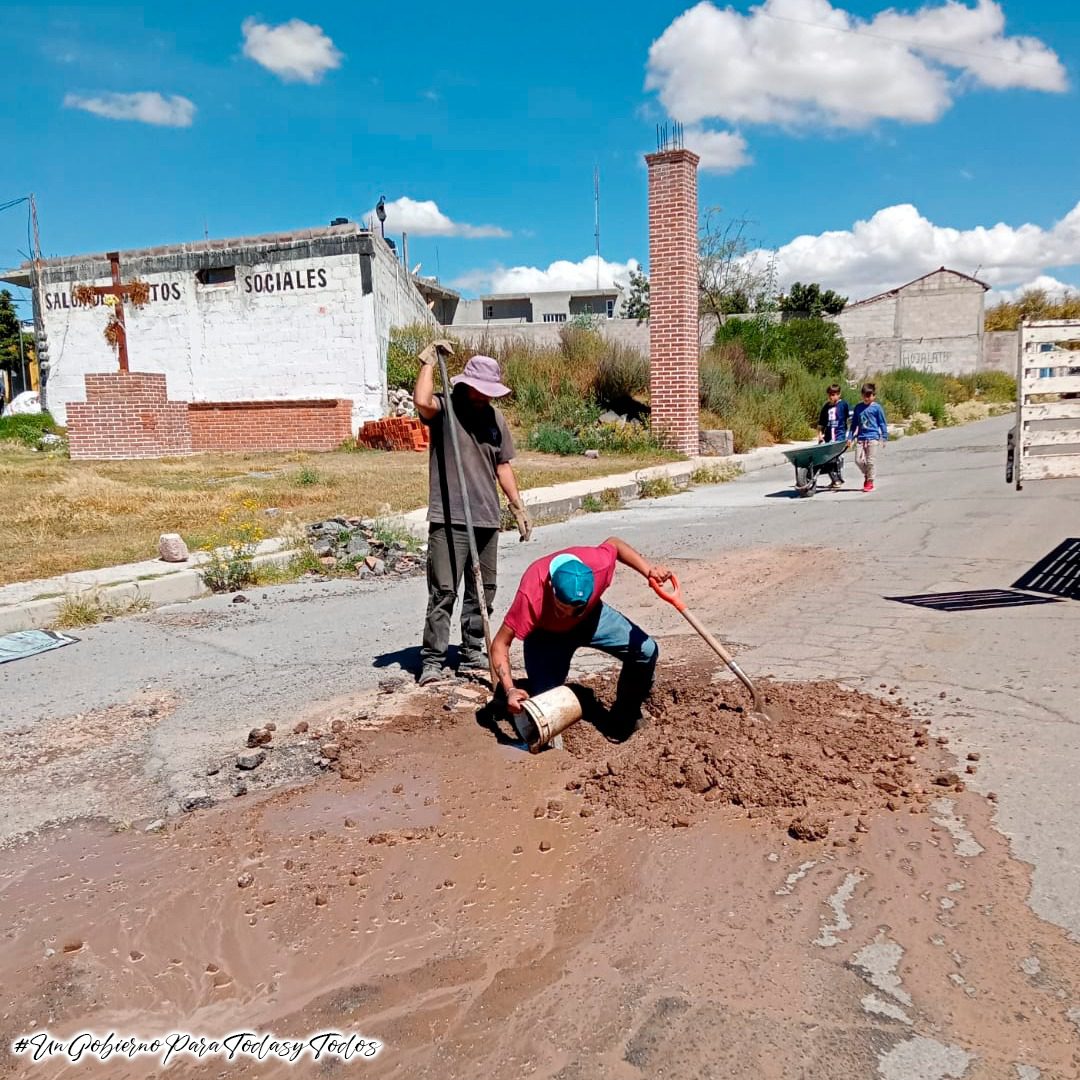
x: 472, y: 659
x: 624, y: 721
x: 430, y: 673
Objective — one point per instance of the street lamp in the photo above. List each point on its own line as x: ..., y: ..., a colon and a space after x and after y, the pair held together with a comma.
x: 380, y: 213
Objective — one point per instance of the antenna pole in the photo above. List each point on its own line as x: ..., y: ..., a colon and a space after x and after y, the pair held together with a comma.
x: 596, y: 200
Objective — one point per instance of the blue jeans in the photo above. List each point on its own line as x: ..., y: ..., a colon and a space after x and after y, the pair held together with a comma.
x: 548, y: 654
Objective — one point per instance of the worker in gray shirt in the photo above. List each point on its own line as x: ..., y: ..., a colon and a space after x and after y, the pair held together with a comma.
x: 487, y: 448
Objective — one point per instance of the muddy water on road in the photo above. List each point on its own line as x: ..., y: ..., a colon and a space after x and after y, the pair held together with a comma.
x: 457, y: 906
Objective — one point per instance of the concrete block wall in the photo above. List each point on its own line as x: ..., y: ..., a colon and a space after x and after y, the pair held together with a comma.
x: 673, y: 305
x: 1001, y: 350
x: 270, y: 425
x: 546, y: 335
x: 933, y: 324
x: 127, y: 415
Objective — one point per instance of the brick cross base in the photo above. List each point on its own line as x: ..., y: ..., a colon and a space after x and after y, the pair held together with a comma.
x: 129, y: 415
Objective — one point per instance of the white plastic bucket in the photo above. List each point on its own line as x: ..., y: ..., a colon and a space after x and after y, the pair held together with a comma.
x: 546, y: 715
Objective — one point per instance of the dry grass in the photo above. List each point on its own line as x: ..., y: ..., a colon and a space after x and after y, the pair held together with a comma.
x: 63, y: 515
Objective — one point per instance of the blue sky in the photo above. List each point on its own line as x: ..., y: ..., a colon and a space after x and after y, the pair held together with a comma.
x: 812, y: 117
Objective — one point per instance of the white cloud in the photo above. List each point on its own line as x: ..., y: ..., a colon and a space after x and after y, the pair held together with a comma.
x: 1047, y: 283
x: 296, y: 51
x: 720, y: 151
x: 424, y: 218
x: 799, y: 62
x: 560, y: 276
x: 148, y: 107
x: 898, y: 244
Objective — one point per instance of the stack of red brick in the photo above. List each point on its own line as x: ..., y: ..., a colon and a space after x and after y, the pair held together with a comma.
x: 394, y: 433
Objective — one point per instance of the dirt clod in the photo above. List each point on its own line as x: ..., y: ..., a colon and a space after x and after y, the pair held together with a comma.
x: 300, y: 728
x: 809, y: 827
x: 259, y: 736
x: 946, y: 779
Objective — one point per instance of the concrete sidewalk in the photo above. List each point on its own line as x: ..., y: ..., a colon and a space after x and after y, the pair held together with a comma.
x: 26, y: 605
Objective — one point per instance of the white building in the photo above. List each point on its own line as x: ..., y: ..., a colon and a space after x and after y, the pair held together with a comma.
x: 302, y: 316
x: 538, y: 307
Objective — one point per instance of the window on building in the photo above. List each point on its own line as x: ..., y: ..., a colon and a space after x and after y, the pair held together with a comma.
x: 489, y: 311
x: 611, y: 309
x: 216, y: 275
x: 555, y: 316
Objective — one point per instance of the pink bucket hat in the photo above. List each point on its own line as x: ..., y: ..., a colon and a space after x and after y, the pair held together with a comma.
x: 482, y: 373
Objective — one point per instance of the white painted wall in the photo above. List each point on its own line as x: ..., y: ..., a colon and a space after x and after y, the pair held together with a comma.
x: 289, y: 329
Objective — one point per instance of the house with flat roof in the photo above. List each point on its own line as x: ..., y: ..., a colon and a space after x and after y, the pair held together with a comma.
x: 506, y: 309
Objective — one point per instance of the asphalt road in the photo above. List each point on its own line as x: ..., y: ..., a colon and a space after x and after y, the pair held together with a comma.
x: 942, y: 520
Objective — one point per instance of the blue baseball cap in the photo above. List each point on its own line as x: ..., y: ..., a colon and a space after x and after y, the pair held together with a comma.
x: 571, y: 580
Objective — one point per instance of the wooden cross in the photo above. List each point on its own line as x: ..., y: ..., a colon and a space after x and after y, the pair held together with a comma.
x: 119, y: 290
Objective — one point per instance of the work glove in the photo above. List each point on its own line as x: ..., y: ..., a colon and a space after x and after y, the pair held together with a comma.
x: 430, y: 355
x: 522, y: 520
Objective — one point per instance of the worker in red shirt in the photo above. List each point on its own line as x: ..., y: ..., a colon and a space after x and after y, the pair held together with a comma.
x: 558, y: 609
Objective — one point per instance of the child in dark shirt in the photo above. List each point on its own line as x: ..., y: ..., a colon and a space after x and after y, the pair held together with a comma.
x: 833, y: 427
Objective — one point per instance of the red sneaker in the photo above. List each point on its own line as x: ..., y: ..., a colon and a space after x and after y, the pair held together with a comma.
x: 868, y: 486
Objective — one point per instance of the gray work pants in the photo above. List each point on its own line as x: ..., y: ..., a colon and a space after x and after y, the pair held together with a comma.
x: 448, y: 561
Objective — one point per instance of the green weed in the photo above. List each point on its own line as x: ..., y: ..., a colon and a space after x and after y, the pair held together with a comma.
x: 657, y: 487
x: 89, y: 608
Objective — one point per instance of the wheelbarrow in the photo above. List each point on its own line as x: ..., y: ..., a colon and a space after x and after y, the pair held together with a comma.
x: 812, y: 460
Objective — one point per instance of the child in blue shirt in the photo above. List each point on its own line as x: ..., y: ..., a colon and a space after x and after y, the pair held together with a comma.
x: 833, y: 427
x: 869, y: 429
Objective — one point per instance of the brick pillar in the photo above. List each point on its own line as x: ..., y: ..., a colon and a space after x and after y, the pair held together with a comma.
x: 673, y: 298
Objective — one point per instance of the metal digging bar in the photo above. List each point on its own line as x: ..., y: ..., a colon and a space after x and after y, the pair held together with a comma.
x: 474, y: 555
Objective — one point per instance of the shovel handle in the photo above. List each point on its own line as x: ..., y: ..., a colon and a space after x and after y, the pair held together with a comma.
x: 674, y: 598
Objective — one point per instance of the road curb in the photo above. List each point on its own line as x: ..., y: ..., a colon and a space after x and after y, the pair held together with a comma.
x: 175, y: 584
x: 38, y: 603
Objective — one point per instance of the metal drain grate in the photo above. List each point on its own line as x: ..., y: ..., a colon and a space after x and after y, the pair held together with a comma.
x: 973, y: 600
x: 1058, y: 574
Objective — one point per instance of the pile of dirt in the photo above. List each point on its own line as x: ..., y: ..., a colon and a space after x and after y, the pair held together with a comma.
x: 829, y: 751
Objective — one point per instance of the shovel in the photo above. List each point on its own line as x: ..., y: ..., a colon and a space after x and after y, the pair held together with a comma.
x: 675, y: 599
x: 474, y: 556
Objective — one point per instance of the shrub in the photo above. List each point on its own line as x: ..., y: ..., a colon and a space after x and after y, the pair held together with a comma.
x: 622, y: 372
x: 993, y: 386
x: 549, y: 438
x: 88, y: 608
x: 307, y: 476
x: 406, y: 342
x: 657, y: 487
x: 745, y: 432
x: 715, y: 474
x: 815, y: 344
x: 27, y: 428
x: 232, y: 549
